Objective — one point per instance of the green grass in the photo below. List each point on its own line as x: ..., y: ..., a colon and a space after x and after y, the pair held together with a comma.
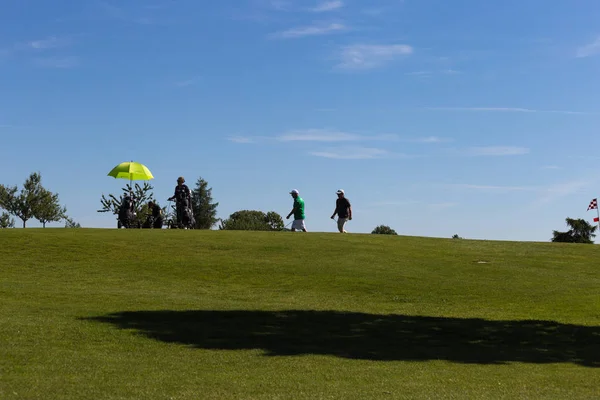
x: 169, y: 314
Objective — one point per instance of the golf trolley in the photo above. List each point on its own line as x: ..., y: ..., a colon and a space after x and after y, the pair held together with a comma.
x: 126, y: 217
x: 184, y: 215
x: 153, y: 222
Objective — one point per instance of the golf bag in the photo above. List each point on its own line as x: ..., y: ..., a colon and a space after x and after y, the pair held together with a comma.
x: 153, y: 222
x: 126, y: 217
x: 185, y: 214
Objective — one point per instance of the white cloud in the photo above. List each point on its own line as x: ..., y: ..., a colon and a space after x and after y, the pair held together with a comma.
x: 544, y: 194
x: 431, y: 139
x: 313, y: 30
x: 49, y: 43
x: 493, y: 187
x: 363, y: 56
x: 498, y: 151
x: 328, y: 6
x: 590, y: 49
x: 315, y: 136
x: 351, y: 153
x: 318, y: 135
x: 506, y: 109
x: 423, y: 204
x: 552, y: 192
x: 240, y: 139
x: 326, y: 135
x: 58, y: 62
x: 499, y: 109
x: 419, y: 73
x: 430, y: 73
x: 554, y: 167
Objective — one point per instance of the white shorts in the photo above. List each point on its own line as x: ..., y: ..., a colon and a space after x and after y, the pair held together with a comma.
x: 298, y: 224
x: 341, y: 222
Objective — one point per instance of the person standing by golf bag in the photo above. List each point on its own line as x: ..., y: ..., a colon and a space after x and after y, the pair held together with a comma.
x: 155, y: 219
x: 183, y: 201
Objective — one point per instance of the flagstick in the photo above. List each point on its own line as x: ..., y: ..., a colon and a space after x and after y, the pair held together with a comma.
x: 130, y: 179
x: 598, y: 212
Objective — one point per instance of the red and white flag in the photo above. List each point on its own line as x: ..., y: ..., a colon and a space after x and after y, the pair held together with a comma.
x: 593, y: 205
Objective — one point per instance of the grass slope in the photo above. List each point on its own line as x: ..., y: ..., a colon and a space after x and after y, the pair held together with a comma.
x: 169, y: 314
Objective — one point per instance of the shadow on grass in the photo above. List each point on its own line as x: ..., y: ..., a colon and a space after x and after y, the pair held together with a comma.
x: 369, y: 336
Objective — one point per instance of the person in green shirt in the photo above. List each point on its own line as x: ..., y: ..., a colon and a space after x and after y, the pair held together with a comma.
x: 298, y: 211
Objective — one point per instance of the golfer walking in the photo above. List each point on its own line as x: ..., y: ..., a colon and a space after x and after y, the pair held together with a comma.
x: 343, y: 209
x: 298, y: 211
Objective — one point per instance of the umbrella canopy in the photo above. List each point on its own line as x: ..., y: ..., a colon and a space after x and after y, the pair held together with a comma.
x: 131, y: 170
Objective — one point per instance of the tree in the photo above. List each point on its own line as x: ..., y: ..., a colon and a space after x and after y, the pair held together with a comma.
x: 581, y: 232
x: 34, y: 201
x: 22, y: 205
x: 205, y: 211
x: 251, y: 220
x: 383, y: 230
x: 275, y: 221
x: 141, y: 194
x: 6, y: 221
x: 47, y: 208
x: 69, y: 223
x: 455, y: 236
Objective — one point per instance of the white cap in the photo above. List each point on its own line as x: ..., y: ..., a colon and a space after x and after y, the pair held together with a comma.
x: 340, y: 191
x: 294, y: 191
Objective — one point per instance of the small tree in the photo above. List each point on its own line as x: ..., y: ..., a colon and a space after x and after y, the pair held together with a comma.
x: 6, y: 221
x: 22, y: 205
x: 455, y: 236
x: 69, y: 223
x: 251, y: 220
x: 142, y: 194
x: 581, y: 232
x: 383, y: 230
x: 205, y: 211
x: 275, y: 221
x: 47, y: 208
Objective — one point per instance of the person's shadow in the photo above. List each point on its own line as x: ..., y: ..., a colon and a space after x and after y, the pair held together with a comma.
x: 369, y: 336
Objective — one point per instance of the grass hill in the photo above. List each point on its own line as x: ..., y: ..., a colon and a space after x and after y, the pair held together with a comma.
x: 170, y: 314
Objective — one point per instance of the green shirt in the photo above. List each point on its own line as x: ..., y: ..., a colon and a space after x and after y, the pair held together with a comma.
x: 299, y: 208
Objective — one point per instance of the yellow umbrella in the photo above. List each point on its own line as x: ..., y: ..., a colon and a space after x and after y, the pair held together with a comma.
x: 131, y: 170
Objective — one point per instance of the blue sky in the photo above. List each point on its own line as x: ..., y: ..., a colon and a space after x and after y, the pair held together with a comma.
x: 437, y: 117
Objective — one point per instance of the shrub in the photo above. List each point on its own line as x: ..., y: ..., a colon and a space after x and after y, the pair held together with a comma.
x: 384, y: 230
x: 252, y: 220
